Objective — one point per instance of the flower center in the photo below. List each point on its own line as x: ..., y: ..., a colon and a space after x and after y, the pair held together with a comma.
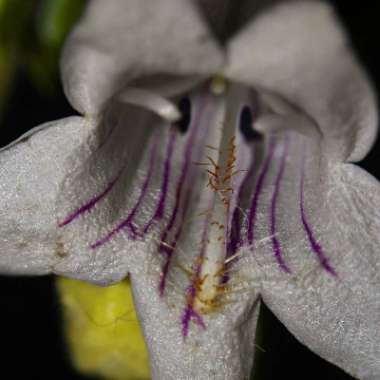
x: 208, y: 189
x: 222, y: 172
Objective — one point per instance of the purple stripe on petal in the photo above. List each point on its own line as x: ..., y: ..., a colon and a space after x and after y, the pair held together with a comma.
x: 133, y: 229
x: 275, y: 242
x: 235, y: 239
x: 127, y: 223
x: 159, y: 213
x: 165, y: 269
x: 91, y: 203
x: 186, y: 164
x: 164, y: 247
x: 316, y: 248
x: 191, y: 290
x: 187, y: 316
x: 258, y: 190
x: 169, y: 249
x: 198, y: 320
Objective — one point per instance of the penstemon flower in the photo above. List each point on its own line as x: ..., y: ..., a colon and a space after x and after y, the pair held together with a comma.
x: 216, y: 175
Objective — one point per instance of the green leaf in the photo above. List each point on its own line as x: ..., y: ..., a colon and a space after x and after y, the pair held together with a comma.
x: 55, y: 19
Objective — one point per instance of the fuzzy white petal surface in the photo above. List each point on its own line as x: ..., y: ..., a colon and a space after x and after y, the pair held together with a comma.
x: 107, y: 207
x: 224, y: 350
x: 119, y: 40
x: 30, y: 177
x: 338, y: 316
x: 298, y: 50
x: 108, y: 213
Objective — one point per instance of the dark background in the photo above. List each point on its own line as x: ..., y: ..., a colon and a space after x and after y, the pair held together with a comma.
x: 30, y: 319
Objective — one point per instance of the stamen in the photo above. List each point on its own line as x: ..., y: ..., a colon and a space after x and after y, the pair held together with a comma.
x: 151, y: 101
x: 232, y: 258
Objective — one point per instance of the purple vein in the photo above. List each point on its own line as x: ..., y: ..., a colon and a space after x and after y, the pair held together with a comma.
x: 169, y: 249
x: 273, y: 230
x: 235, y: 239
x: 127, y: 222
x: 91, y: 203
x: 186, y: 164
x: 258, y: 190
x: 179, y: 190
x: 189, y: 312
x: 316, y: 248
x: 159, y: 213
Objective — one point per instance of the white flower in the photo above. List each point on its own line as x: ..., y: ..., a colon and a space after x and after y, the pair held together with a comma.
x: 281, y: 216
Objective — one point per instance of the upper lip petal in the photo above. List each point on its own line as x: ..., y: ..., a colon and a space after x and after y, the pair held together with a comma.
x: 137, y: 38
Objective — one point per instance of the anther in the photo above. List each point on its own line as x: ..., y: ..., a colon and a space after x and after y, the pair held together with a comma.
x: 151, y: 101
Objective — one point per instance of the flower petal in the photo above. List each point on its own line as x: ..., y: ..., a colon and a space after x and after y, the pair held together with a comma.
x: 222, y: 350
x: 193, y: 330
x: 30, y: 175
x: 114, y: 206
x: 120, y: 40
x: 140, y: 204
x: 334, y: 307
x: 298, y: 50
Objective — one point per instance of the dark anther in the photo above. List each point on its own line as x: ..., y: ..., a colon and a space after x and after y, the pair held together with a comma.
x: 184, y: 107
x: 246, y: 125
